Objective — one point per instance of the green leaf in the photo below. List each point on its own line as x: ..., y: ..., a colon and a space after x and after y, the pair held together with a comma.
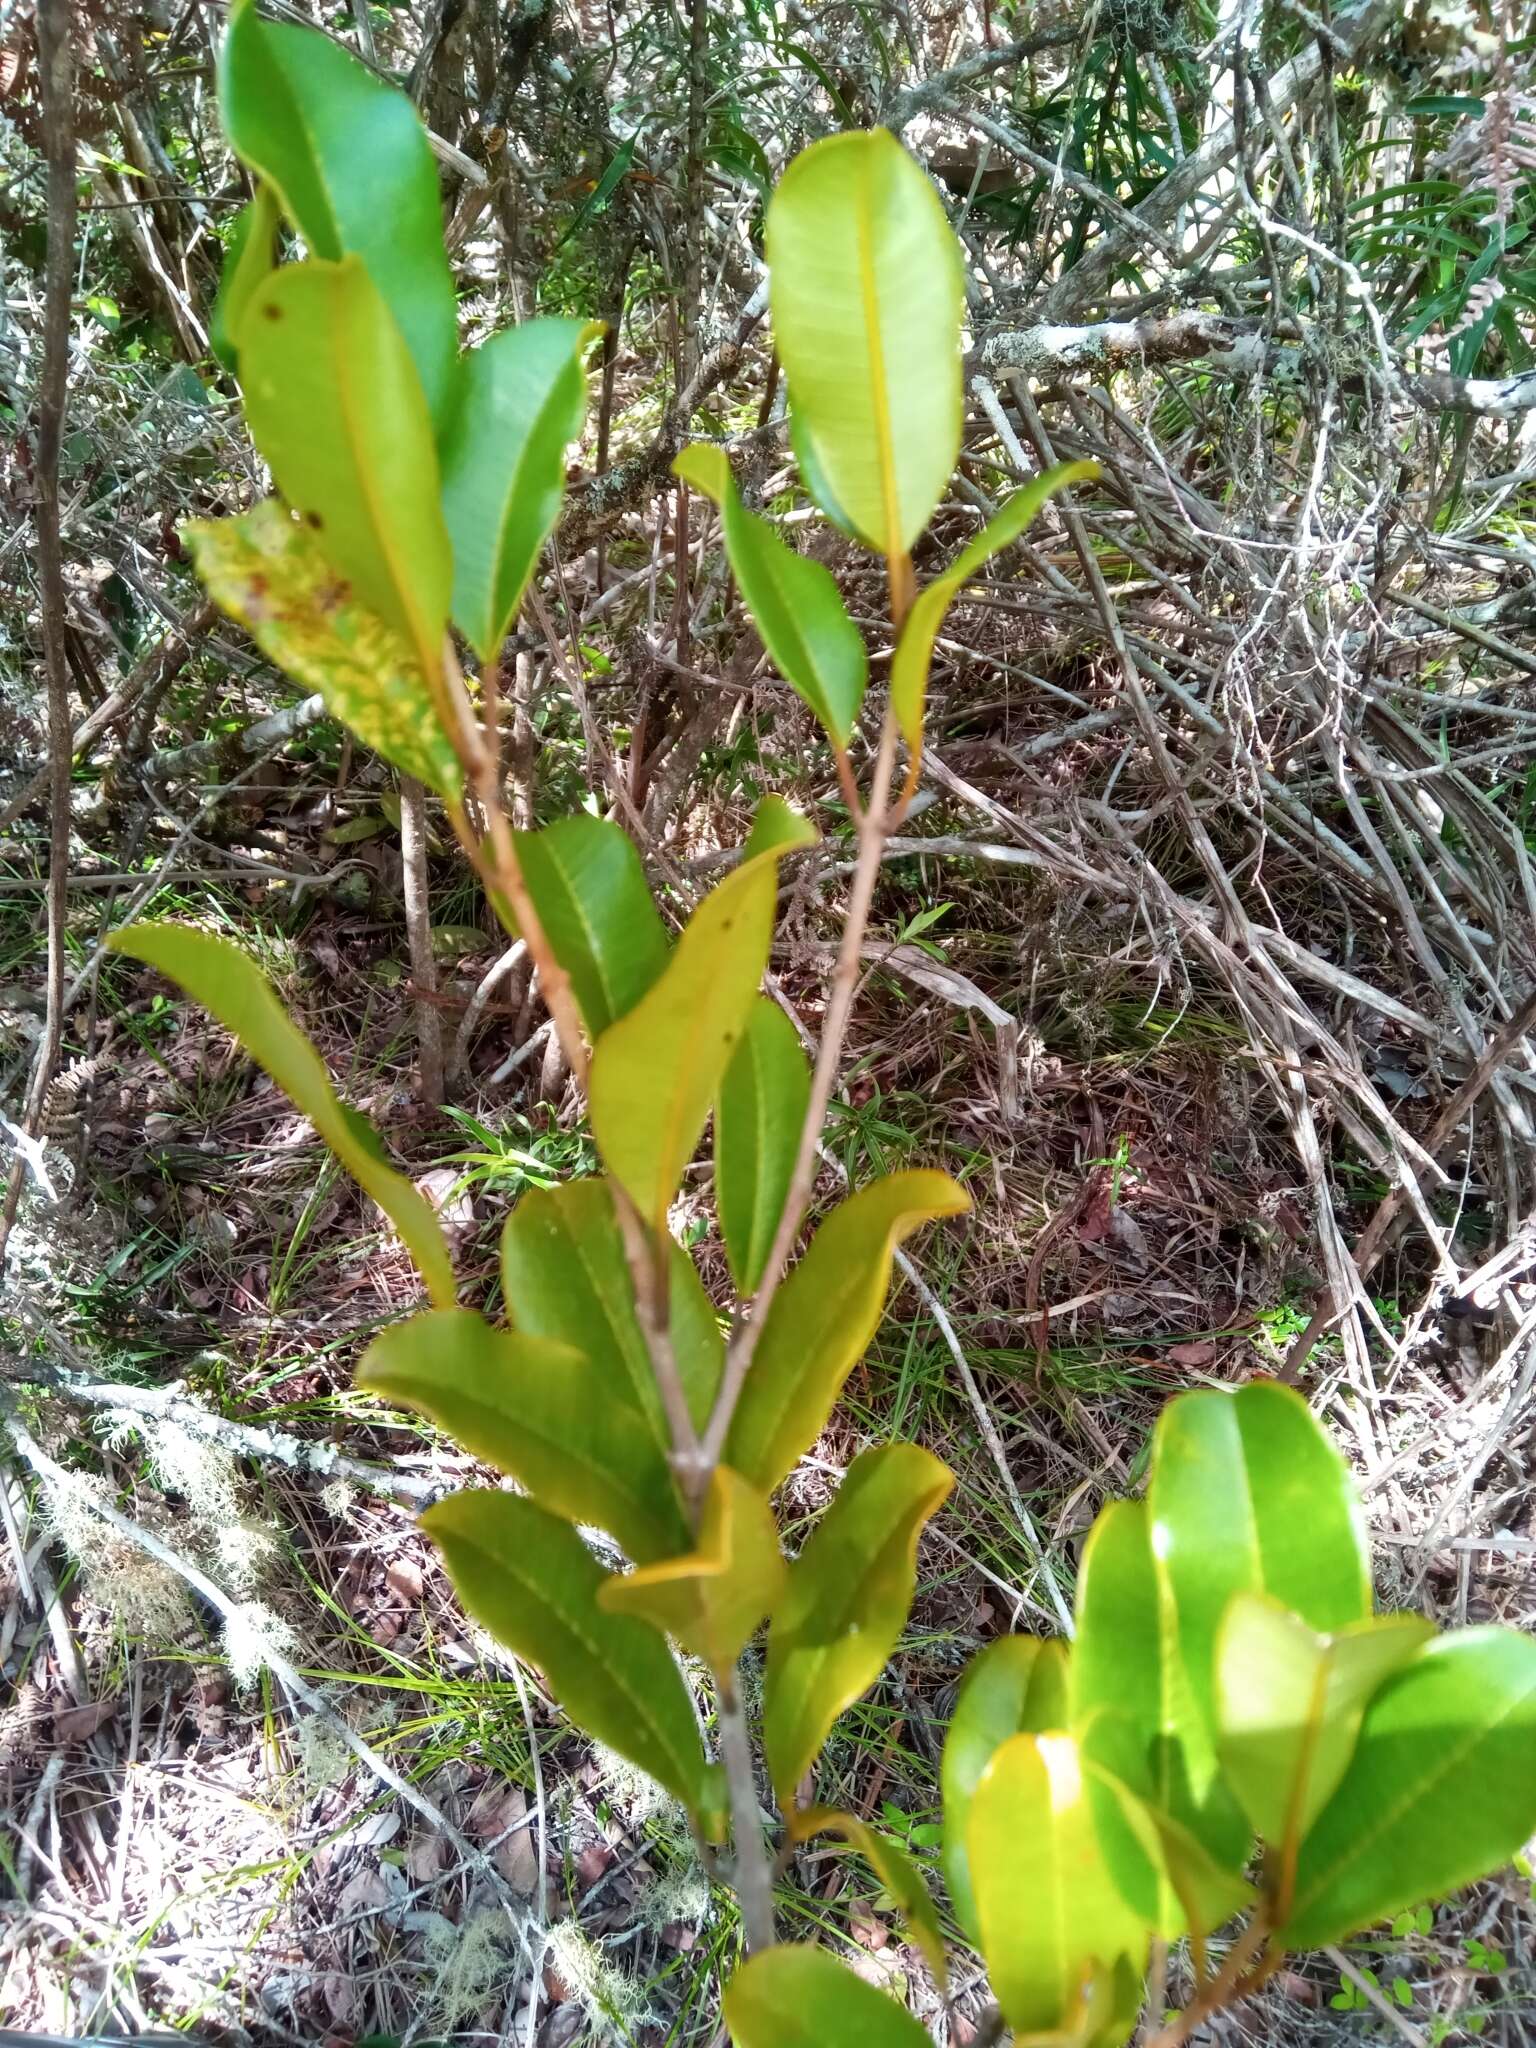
x: 914, y: 649
x: 656, y: 1072
x: 1053, y: 1926
x: 1248, y: 1494
x: 1289, y: 1704
x: 248, y: 259
x: 336, y: 407
x: 867, y: 291
x: 1441, y: 1788
x: 758, y: 1121
x: 528, y: 1578
x: 539, y: 1411
x: 1127, y: 1661
x: 793, y: 600
x: 231, y: 987
x: 350, y: 162
x: 822, y: 1317
x: 266, y: 570
x: 897, y: 1871
x: 565, y: 1276
x: 521, y: 403
x: 793, y: 1996
x: 712, y: 1598
x: 846, y: 1602
x: 588, y: 887
x: 1016, y: 1685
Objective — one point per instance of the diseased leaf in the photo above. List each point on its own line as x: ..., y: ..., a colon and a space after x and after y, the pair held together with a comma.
x: 656, y: 1072
x: 846, y: 1602
x: 565, y: 1276
x: 588, y: 887
x: 521, y: 401
x: 336, y: 407
x: 1289, y: 1704
x: 1441, y: 1788
x: 1127, y: 1661
x: 1056, y: 1934
x: 539, y: 1411
x: 914, y: 649
x: 867, y: 291
x: 897, y: 1871
x: 711, y: 1598
x: 794, y: 602
x: 349, y: 160
x: 758, y: 1121
x: 1016, y: 1685
x: 231, y: 987
x: 265, y: 570
x: 249, y: 257
x: 528, y: 1578
x: 822, y: 1317
x: 793, y: 1996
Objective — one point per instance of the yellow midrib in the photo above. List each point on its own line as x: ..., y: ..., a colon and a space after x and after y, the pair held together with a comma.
x: 880, y: 397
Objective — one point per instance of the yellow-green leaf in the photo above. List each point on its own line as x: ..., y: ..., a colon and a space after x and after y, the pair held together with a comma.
x: 823, y: 1316
x: 1289, y: 1703
x: 867, y: 291
x: 348, y: 157
x: 265, y: 570
x: 250, y: 256
x: 528, y: 1578
x: 588, y: 887
x: 846, y: 1603
x: 539, y: 1411
x: 336, y: 407
x: 565, y: 1276
x: 656, y: 1072
x: 793, y: 600
x: 711, y: 1598
x: 914, y: 649
x: 896, y: 1869
x: 794, y: 1996
x: 230, y: 985
x: 1016, y: 1685
x: 521, y: 400
x: 758, y: 1121
x: 1053, y: 1926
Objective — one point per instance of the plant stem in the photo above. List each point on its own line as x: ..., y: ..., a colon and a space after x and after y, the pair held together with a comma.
x: 418, y: 931
x: 1232, y: 1981
x: 753, y: 1874
x: 873, y: 827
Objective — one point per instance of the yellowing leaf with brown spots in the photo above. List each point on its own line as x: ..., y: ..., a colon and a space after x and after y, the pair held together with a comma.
x: 264, y: 570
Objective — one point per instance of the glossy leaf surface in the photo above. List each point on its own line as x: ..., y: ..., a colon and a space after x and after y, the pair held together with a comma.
x: 565, y: 1276
x: 1053, y: 1926
x: 822, y: 1317
x: 867, y: 289
x: 897, y: 1871
x: 231, y: 987
x: 712, y: 1597
x: 538, y: 1411
x: 1289, y: 1704
x: 266, y: 570
x: 1016, y: 1685
x: 794, y: 601
x: 521, y: 400
x: 794, y: 1996
x: 656, y: 1072
x: 335, y: 406
x: 758, y: 1120
x: 1441, y: 1788
x: 527, y: 1577
x: 846, y: 1602
x: 589, y: 889
x: 349, y: 160
x: 914, y: 649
